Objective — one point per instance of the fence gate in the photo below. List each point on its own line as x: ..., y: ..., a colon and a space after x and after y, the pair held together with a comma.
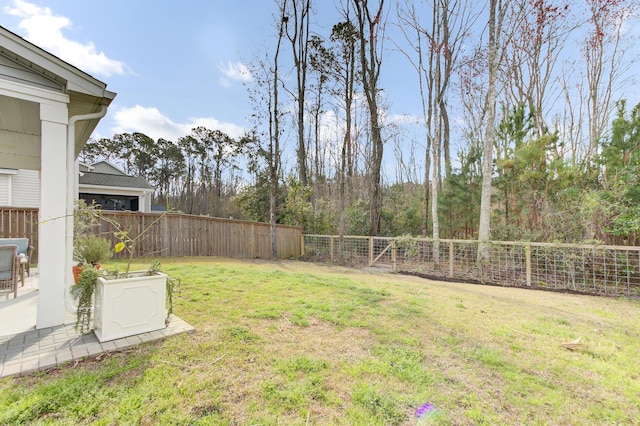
x: 382, y: 252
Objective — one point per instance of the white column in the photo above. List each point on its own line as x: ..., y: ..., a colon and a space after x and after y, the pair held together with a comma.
x: 145, y: 202
x: 52, y: 232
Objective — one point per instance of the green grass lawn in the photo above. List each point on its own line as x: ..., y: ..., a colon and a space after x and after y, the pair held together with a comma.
x: 297, y: 343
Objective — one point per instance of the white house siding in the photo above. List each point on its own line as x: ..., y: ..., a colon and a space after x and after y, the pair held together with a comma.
x: 26, y: 188
x: 5, y: 184
x: 20, y: 189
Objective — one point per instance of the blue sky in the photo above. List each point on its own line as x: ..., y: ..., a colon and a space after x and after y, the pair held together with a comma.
x: 178, y: 65
x: 174, y: 65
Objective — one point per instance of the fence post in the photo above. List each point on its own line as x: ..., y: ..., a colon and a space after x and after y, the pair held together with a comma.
x: 370, y: 251
x: 451, y: 259
x: 331, y: 247
x: 254, y: 239
x: 393, y: 254
x: 527, y: 255
x: 166, y: 238
x: 301, y: 245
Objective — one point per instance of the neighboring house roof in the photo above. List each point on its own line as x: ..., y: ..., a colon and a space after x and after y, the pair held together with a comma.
x: 108, y: 179
x: 84, y: 167
x: 106, y: 167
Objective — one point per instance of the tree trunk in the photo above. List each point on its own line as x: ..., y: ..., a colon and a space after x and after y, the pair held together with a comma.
x: 299, y: 39
x: 370, y: 63
x: 496, y: 14
x: 274, y: 145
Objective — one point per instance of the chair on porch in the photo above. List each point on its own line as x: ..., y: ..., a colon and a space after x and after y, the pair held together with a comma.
x: 9, y: 269
x: 24, y: 253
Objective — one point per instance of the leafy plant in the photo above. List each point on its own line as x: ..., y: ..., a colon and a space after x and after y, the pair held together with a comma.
x: 92, y: 249
x: 171, y: 284
x: 409, y: 245
x: 88, y: 215
x: 83, y: 294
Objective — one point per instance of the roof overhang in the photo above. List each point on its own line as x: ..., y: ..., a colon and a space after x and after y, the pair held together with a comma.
x: 113, y: 190
x: 86, y: 94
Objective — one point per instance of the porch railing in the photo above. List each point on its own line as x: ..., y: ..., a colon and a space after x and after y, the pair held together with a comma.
x: 20, y: 223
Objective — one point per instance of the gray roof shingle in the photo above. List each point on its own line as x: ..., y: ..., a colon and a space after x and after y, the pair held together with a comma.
x: 104, y: 179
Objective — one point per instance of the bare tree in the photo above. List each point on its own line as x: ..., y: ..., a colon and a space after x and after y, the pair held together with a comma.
x: 537, y: 31
x: 497, y: 11
x: 266, y: 105
x: 274, y: 144
x: 435, y: 53
x: 603, y: 51
x: 296, y: 18
x: 370, y: 37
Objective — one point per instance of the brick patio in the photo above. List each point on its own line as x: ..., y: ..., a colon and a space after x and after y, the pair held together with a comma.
x: 35, y: 350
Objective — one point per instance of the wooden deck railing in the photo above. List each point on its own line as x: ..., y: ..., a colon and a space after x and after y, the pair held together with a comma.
x: 20, y: 223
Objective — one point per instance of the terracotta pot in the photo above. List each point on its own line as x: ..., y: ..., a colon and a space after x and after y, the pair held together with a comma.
x: 77, y: 270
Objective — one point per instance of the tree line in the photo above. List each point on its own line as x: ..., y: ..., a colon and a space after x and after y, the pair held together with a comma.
x: 524, y: 133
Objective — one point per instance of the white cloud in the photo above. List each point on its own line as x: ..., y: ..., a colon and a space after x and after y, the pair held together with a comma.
x: 402, y: 119
x: 153, y: 123
x: 44, y: 29
x: 234, y: 71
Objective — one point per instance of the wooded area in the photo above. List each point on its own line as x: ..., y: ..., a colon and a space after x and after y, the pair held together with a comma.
x: 523, y: 107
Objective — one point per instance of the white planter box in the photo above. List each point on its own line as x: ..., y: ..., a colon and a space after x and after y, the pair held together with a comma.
x: 128, y: 306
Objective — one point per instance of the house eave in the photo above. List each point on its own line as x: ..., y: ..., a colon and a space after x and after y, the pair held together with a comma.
x: 99, y: 189
x: 83, y: 93
x: 52, y: 67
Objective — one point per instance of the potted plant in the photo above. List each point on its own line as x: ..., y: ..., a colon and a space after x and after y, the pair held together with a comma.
x: 93, y: 249
x: 84, y: 219
x: 83, y: 293
x: 90, y: 249
x: 126, y: 303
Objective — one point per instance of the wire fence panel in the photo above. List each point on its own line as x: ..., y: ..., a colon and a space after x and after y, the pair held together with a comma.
x: 355, y: 251
x: 593, y: 269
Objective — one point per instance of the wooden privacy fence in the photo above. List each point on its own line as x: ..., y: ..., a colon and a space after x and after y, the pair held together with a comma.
x: 190, y: 235
x: 174, y: 235
x: 590, y: 269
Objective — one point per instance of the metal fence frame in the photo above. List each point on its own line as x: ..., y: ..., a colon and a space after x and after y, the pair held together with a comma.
x: 587, y: 269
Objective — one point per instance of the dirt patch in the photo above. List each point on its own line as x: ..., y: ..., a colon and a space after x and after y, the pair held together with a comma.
x: 282, y: 340
x: 492, y: 284
x: 320, y: 339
